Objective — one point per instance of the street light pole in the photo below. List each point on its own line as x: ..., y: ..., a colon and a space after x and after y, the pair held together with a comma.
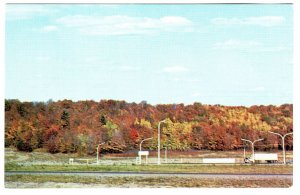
x: 252, y: 143
x: 244, y: 152
x: 158, y: 142
x: 143, y: 141
x: 98, y: 152
x: 140, y: 156
x: 283, y: 147
x: 166, y: 150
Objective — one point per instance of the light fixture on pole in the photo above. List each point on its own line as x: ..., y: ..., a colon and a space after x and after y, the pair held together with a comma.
x: 283, y: 147
x: 98, y: 152
x: 158, y: 142
x: 252, y: 143
x: 146, y: 153
x: 143, y: 141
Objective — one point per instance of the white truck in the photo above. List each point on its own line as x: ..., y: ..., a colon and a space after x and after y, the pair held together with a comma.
x: 263, y: 158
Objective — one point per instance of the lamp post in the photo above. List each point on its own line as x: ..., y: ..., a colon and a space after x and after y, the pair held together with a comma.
x: 283, y: 147
x: 166, y: 150
x: 158, y: 142
x: 244, y: 152
x: 140, y: 155
x: 143, y: 141
x: 98, y: 152
x: 252, y: 143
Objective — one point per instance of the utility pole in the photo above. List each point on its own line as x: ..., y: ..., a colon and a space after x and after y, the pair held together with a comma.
x: 158, y: 142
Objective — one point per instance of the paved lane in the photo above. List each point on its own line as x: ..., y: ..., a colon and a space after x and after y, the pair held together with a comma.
x: 153, y: 174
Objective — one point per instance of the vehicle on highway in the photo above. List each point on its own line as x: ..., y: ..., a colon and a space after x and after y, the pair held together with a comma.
x: 289, y: 162
x: 262, y: 158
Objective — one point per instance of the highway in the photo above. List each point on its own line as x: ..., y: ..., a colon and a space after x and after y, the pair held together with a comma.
x: 154, y: 174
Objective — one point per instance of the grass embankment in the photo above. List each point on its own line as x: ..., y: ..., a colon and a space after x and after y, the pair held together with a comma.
x: 62, y: 181
x: 41, y: 161
x: 186, y: 168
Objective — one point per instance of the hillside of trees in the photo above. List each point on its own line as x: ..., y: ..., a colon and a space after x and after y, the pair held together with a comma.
x: 78, y: 127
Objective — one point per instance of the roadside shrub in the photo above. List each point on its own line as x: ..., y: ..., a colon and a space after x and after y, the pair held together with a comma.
x: 23, y: 146
x: 52, y: 145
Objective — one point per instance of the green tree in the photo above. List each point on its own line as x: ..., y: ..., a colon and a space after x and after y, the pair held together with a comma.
x: 103, y: 120
x: 24, y: 137
x: 65, y: 119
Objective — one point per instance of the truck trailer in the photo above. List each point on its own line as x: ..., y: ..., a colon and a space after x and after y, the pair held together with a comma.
x: 263, y: 158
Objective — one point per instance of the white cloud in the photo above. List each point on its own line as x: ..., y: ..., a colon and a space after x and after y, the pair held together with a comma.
x: 174, y: 21
x: 236, y: 44
x: 175, y: 69
x: 122, y: 25
x: 17, y: 12
x: 49, y: 28
x: 266, y: 21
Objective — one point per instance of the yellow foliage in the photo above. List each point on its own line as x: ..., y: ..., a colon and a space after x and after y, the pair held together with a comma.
x: 143, y: 123
x: 176, y: 134
x: 242, y: 117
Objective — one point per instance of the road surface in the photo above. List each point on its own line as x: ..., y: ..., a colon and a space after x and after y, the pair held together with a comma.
x: 153, y: 174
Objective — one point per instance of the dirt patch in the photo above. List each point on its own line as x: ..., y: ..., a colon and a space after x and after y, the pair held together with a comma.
x: 52, y: 185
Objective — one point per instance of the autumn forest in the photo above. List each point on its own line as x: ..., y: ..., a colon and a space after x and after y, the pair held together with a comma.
x: 78, y: 127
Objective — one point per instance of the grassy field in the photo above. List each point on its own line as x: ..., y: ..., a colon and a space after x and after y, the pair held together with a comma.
x: 63, y: 181
x: 41, y: 161
x: 39, y: 157
x: 187, y: 168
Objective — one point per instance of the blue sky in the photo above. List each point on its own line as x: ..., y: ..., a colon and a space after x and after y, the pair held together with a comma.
x: 213, y: 54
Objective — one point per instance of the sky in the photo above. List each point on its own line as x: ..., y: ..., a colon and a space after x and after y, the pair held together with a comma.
x: 225, y: 54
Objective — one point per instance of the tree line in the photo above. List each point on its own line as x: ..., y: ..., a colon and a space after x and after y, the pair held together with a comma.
x: 78, y: 127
